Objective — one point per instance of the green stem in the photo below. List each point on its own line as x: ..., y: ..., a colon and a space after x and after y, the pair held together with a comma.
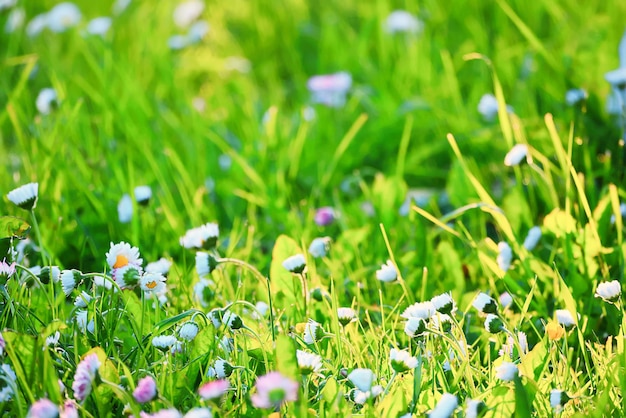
x: 42, y: 249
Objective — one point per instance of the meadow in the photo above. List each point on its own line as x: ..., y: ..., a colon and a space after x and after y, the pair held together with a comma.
x: 312, y: 209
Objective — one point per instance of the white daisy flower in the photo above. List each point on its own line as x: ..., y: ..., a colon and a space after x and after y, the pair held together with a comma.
x: 120, y: 6
x: 232, y: 320
x: 36, y: 25
x: 445, y: 407
x: 196, y: 33
x: 387, y: 273
x: 508, y: 348
x: 308, y: 362
x: 82, y: 300
x: 444, y: 303
x: 319, y: 247
x: 164, y: 342
x: 127, y: 277
x: 143, y: 194
x: 474, y: 408
x: 204, y: 236
x: 359, y: 397
x: 122, y: 254
x: 362, y: 379
x: 330, y: 89
x: 575, y: 96
x: 401, y: 21
x: 505, y: 256
x: 532, y: 239
x: 414, y: 327
x: 516, y: 155
x: 176, y: 43
x: 53, y: 339
x: 63, y: 16
x: 401, y: 360
x: 15, y: 20
x: 162, y: 266
x: 558, y: 399
x: 125, y: 209
x: 565, y: 318
x: 423, y: 310
x: 205, y: 263
x: 617, y: 78
x: 222, y: 369
x: 441, y: 322
x: 203, y: 290
x: 83, y: 322
x: 609, y: 291
x: 485, y: 304
x: 187, y: 12
x: 507, y: 371
x: 99, y: 26
x: 506, y: 299
x: 488, y: 106
x: 295, y: 263
x: 313, y: 332
x: 152, y: 282
x: 188, y: 331
x: 346, y: 315
x: 493, y: 324
x: 69, y: 280
x: 25, y: 196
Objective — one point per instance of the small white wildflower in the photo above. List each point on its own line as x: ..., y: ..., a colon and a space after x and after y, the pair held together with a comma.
x: 493, y: 324
x: 143, y: 194
x: 362, y: 379
x: 558, y: 399
x: 401, y: 360
x: 506, y: 299
x: 188, y: 331
x: 532, y: 239
x: 346, y: 315
x: 319, y: 247
x: 36, y: 25
x: 565, y: 318
x: 25, y: 196
x: 414, y: 327
x: 308, y: 362
x: 15, y: 20
x: 575, y: 96
x: 205, y: 263
x: 609, y: 291
x: 82, y: 300
x: 330, y: 89
x: 516, y: 155
x: 204, y: 236
x: 507, y: 371
x: 401, y: 21
x: 232, y: 320
x: 488, y: 106
x: 295, y: 263
x: 63, y: 16
x: 125, y: 209
x: 444, y: 303
x: 187, y: 12
x: 162, y: 266
x: 53, y: 339
x: 313, y: 332
x: 474, y: 408
x: 485, y: 304
x: 164, y: 342
x: 505, y: 256
x: 69, y: 280
x: 99, y: 26
x: 423, y: 310
x: 387, y: 272
x: 445, y: 407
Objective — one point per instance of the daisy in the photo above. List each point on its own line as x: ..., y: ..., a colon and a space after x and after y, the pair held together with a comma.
x: 445, y: 407
x: 308, y: 362
x: 152, y: 282
x: 313, y: 332
x: 128, y: 277
x: 36, y: 25
x: 188, y: 331
x: 195, y: 34
x: 63, y: 16
x: 488, y: 106
x: 319, y: 247
x: 325, y: 216
x: 232, y: 320
x: 146, y: 390
x: 15, y: 20
x: 441, y: 322
x: 143, y: 194
x: 359, y: 397
x: 516, y: 155
x: 401, y: 21
x: 214, y: 390
x: 99, y: 26
x: 493, y: 324
x: 69, y: 409
x: 558, y: 399
x: 204, y: 293
x: 505, y: 255
x: 85, y: 375
x: 43, y: 408
x: 6, y: 271
x: 177, y: 42
x: 362, y: 379
x: 444, y: 303
x: 221, y: 368
x: 565, y: 318
x: 122, y: 254
x: 532, y: 239
x: 423, y: 310
x: 609, y: 291
x: 474, y: 408
x: 187, y: 12
x: 273, y: 389
x: 204, y: 236
x: 401, y: 360
x: 83, y: 322
x: 119, y: 6
x: 346, y: 315
x: 485, y: 304
x: 25, y: 196
x: 205, y: 263
x: 164, y: 342
x: 575, y: 96
x: 162, y: 266
x: 295, y: 263
x: 125, y: 209
x: 70, y: 279
x: 82, y: 300
x: 53, y: 339
x: 387, y: 272
x: 331, y: 89
x: 507, y: 371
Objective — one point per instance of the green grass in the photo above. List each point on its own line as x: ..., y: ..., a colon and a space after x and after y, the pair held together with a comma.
x: 126, y: 119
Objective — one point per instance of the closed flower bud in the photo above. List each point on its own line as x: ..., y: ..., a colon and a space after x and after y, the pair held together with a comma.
x: 485, y: 304
x: 493, y: 324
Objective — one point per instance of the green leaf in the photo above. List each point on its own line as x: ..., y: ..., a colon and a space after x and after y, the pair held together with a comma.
x: 451, y: 262
x: 286, y: 361
x: 523, y: 406
x: 559, y: 223
x: 12, y: 227
x: 282, y: 282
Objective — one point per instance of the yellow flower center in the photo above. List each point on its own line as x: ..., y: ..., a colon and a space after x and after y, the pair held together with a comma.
x: 120, y: 261
x: 151, y: 285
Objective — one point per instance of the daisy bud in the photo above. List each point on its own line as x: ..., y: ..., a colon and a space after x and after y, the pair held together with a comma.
x: 43, y: 408
x: 474, y: 408
x: 485, y: 304
x: 222, y: 368
x: 415, y: 327
x: 493, y: 324
x: 401, y: 360
x: 319, y: 247
x: 25, y: 196
x: 308, y: 362
x: 565, y: 318
x: 441, y: 322
x: 188, y: 331
x: 445, y: 407
x: 444, y: 303
x: 205, y: 263
x: 49, y: 273
x: 532, y: 239
x: 609, y: 291
x: 362, y: 379
x: 400, y: 21
x: 143, y: 195
x: 232, y: 320
x: 345, y: 316
x: 558, y: 399
x: 146, y: 390
x: 387, y: 273
x: 313, y: 332
x: 507, y: 371
x: 164, y: 342
x: 295, y: 264
x: 216, y: 317
x: 47, y: 99
x: 69, y: 280
x: 516, y: 155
